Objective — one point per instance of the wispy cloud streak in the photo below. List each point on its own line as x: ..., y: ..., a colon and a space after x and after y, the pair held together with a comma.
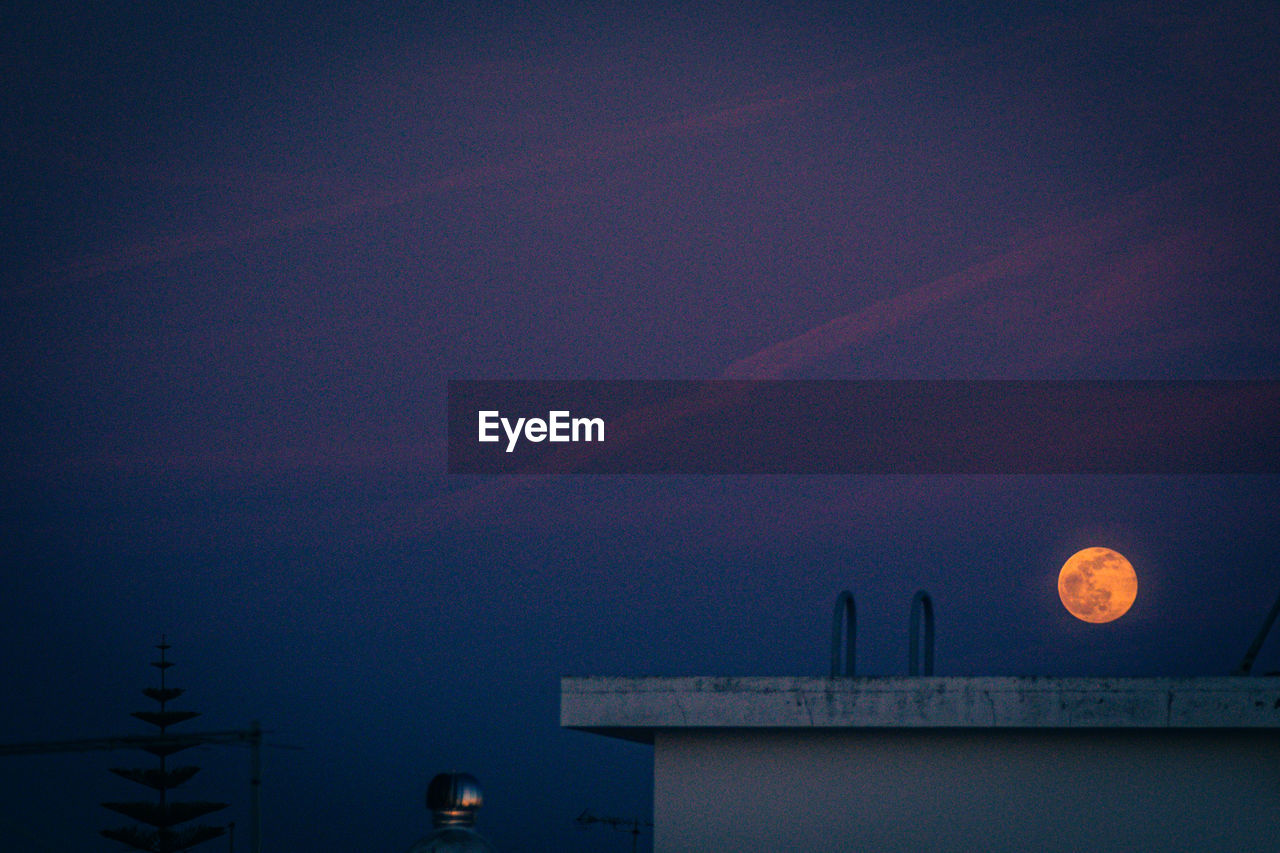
x: 1121, y: 233
x: 758, y: 107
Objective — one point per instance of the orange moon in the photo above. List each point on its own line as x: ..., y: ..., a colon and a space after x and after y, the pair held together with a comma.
x: 1097, y: 585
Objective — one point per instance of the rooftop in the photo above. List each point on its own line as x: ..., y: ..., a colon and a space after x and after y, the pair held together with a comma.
x: 634, y: 708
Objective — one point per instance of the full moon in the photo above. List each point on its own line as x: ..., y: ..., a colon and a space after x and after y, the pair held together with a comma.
x: 1097, y: 585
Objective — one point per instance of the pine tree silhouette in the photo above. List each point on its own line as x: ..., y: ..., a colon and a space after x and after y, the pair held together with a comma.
x: 163, y: 817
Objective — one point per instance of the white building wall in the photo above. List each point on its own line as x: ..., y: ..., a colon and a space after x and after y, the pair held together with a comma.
x: 966, y: 790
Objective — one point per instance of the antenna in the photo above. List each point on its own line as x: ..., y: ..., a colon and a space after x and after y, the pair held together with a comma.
x: 1247, y: 663
x: 166, y: 743
x: 624, y: 824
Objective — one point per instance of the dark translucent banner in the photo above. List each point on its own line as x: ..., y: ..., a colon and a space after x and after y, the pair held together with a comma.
x: 863, y: 427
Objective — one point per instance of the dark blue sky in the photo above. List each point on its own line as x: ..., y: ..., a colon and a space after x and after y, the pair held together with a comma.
x: 246, y: 248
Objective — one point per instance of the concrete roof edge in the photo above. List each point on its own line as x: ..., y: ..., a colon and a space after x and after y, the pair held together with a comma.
x: 604, y: 703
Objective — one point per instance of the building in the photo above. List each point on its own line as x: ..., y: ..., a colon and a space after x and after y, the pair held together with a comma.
x: 950, y: 764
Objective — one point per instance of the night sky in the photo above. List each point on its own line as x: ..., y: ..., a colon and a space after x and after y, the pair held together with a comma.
x: 246, y: 247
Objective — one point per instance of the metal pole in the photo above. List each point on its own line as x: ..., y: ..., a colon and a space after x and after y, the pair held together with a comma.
x: 255, y: 787
x: 847, y: 612
x: 921, y: 601
x: 1247, y: 664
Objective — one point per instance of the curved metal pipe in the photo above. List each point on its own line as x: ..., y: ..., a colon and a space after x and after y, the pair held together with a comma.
x: 846, y: 611
x: 922, y: 601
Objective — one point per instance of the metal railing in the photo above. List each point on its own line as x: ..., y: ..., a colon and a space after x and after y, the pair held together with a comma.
x: 846, y: 613
x: 844, y: 625
x: 921, y: 603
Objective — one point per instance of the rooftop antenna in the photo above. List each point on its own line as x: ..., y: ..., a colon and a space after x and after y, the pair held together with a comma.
x: 1247, y: 663
x: 631, y: 824
x: 169, y: 743
x: 922, y: 602
x: 846, y: 613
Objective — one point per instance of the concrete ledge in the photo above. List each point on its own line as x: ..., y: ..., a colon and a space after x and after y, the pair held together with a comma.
x: 634, y: 708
